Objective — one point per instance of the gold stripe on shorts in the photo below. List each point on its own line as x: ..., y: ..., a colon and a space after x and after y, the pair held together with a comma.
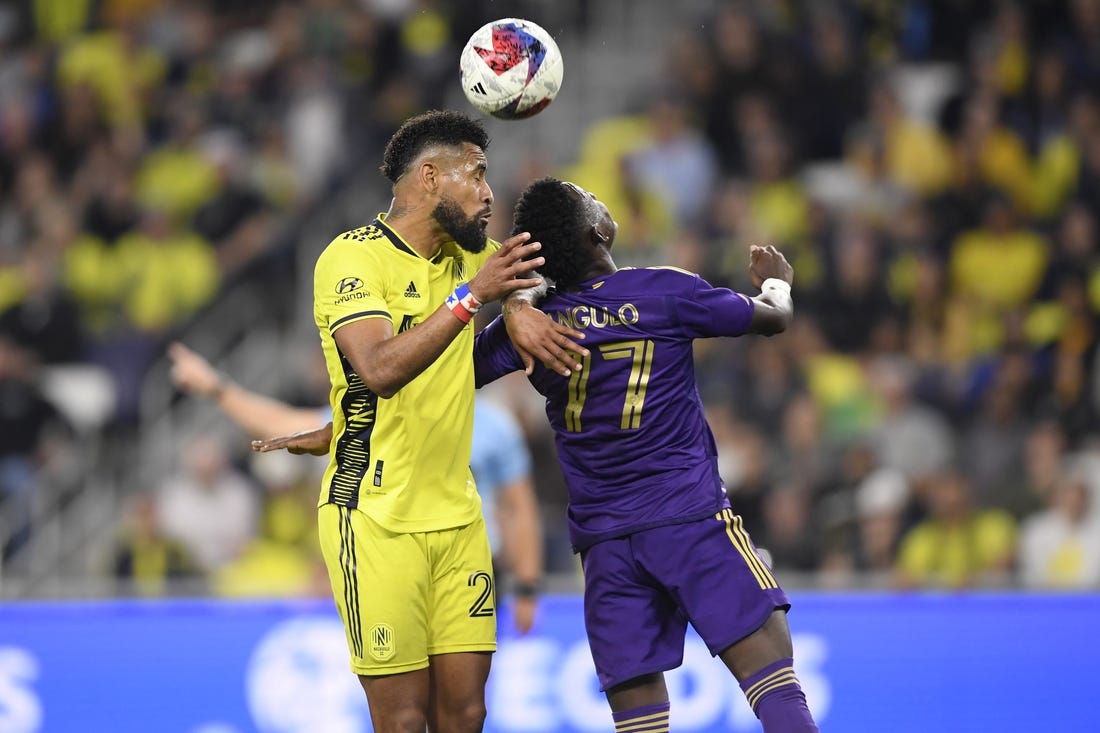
x: 741, y: 543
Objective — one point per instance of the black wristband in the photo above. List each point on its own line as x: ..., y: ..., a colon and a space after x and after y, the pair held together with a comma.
x: 525, y: 590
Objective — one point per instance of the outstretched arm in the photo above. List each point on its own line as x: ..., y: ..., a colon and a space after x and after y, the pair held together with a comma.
x: 315, y: 442
x: 255, y: 413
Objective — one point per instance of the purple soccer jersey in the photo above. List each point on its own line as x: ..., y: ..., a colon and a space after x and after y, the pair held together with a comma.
x: 632, y: 440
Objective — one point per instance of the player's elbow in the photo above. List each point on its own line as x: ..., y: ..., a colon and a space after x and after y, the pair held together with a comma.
x: 380, y: 383
x: 386, y: 390
x: 772, y: 321
x: 779, y: 324
x: 772, y: 313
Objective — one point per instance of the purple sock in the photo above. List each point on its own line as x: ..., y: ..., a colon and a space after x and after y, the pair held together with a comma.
x: 643, y: 719
x: 777, y: 699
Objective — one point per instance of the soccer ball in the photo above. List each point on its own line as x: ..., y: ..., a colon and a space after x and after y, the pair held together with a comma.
x: 511, y: 69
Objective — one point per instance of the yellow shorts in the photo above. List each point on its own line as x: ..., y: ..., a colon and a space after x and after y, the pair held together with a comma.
x: 405, y: 597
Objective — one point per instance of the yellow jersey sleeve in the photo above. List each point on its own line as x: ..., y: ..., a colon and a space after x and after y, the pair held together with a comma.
x: 348, y: 284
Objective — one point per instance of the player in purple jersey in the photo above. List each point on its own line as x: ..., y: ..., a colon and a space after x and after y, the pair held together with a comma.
x: 648, y: 514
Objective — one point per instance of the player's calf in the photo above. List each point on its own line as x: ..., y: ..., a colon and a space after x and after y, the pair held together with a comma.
x: 777, y: 699
x: 643, y: 719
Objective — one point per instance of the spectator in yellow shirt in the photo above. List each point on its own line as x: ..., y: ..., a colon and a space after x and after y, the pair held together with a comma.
x: 916, y: 156
x: 119, y: 69
x: 1001, y: 263
x: 957, y: 546
x: 167, y: 273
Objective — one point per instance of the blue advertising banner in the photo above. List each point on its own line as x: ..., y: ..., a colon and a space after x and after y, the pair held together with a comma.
x: 898, y: 663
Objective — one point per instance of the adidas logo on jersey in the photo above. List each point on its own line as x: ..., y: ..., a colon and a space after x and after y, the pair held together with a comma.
x: 410, y: 292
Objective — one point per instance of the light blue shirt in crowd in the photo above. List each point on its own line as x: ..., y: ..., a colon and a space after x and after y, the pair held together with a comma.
x: 498, y: 457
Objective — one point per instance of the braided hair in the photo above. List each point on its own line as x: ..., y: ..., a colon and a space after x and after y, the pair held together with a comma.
x: 558, y: 220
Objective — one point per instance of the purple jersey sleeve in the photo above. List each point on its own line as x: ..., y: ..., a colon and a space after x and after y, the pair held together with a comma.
x: 494, y: 355
x: 709, y: 311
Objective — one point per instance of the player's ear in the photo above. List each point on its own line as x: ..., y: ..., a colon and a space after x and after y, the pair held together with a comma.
x: 427, y: 174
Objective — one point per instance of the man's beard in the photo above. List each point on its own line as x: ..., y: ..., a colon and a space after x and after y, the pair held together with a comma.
x: 468, y: 233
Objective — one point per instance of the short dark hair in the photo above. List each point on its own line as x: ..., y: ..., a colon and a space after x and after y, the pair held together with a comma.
x: 436, y: 127
x: 555, y: 217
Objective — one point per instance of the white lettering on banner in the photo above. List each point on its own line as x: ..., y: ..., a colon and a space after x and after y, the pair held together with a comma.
x: 20, y: 708
x: 540, y: 686
x: 699, y: 689
x: 298, y: 680
x: 579, y: 696
x: 811, y: 652
x: 520, y: 696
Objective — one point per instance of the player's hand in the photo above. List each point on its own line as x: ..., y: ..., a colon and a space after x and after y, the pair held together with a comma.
x: 538, y: 336
x: 766, y: 262
x: 523, y: 613
x: 192, y: 373
x: 507, y: 269
x: 315, y: 442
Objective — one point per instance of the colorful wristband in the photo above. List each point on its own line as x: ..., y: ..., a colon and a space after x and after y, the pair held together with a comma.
x: 463, y: 303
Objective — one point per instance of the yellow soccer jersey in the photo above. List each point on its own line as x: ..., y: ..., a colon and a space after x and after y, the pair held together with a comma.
x: 405, y: 461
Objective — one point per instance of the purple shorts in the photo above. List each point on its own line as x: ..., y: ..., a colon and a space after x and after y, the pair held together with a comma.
x: 640, y: 592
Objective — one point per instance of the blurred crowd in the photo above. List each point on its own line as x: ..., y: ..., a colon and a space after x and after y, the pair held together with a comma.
x: 930, y: 167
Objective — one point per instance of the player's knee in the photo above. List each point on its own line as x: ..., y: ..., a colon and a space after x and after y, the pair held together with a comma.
x: 768, y: 643
x: 469, y: 717
x: 405, y: 720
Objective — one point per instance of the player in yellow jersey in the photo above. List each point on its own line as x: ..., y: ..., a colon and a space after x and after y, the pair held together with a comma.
x: 400, y: 519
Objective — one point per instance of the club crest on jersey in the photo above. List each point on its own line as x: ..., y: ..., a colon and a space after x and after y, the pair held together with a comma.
x: 382, y: 644
x: 410, y: 292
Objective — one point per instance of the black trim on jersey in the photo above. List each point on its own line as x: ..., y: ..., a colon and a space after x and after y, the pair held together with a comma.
x: 352, y: 452
x: 361, y: 314
x: 392, y: 236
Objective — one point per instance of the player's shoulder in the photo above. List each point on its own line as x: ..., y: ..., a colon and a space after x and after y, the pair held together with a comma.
x: 355, y: 238
x: 361, y: 242
x: 663, y: 280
